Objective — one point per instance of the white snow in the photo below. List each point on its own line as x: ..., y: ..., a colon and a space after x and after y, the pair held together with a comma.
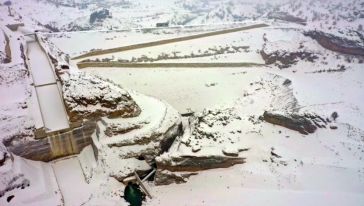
x: 51, y: 104
x: 183, y: 88
x: 71, y: 180
x: 43, y: 190
x: 319, y: 171
x: 41, y: 69
x: 324, y: 168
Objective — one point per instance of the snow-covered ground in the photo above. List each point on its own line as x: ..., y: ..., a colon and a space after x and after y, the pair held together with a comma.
x: 185, y: 88
x: 88, y: 40
x: 230, y: 47
x: 282, y: 166
x: 42, y: 190
x: 71, y: 181
x: 324, y: 168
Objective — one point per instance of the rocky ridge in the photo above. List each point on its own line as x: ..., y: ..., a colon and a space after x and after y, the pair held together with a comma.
x: 303, y: 123
x: 338, y: 44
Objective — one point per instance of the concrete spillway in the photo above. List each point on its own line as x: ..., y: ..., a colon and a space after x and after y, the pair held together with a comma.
x: 50, y: 100
x: 55, y: 136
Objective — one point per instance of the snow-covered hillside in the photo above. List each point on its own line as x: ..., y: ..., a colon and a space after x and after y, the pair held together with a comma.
x: 341, y: 17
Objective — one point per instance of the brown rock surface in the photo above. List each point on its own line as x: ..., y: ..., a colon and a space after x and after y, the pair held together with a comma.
x: 305, y: 123
x: 338, y: 44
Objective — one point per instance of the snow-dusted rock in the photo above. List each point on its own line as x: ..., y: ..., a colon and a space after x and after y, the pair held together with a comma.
x: 90, y: 97
x: 165, y: 177
x: 286, y: 17
x: 122, y: 168
x: 197, y: 163
x: 125, y: 145
x: 303, y: 123
x: 209, y: 141
x: 284, y: 54
x: 231, y: 151
x: 338, y: 44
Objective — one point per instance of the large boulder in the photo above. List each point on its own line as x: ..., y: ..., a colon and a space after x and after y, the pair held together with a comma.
x: 90, y: 97
x: 303, y: 123
x: 195, y: 163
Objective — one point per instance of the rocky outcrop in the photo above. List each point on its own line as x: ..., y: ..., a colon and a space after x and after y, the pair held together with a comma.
x: 285, y: 58
x: 173, y: 168
x: 197, y: 163
x: 209, y: 141
x: 165, y: 177
x: 302, y: 123
x: 337, y: 44
x: 87, y: 98
x: 99, y: 16
x: 284, y: 16
x: 122, y: 146
x: 90, y: 97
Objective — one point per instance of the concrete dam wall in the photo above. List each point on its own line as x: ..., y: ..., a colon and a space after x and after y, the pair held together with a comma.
x: 58, y: 144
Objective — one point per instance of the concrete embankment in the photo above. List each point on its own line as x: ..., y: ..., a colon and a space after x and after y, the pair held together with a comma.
x: 55, y: 145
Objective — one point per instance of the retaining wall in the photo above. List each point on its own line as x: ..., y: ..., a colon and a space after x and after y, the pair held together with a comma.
x: 58, y: 144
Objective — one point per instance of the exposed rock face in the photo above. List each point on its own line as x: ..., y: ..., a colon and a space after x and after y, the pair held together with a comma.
x: 338, y: 44
x: 305, y: 123
x: 165, y: 177
x: 197, y: 163
x: 209, y: 141
x: 90, y: 97
x: 285, y: 58
x: 286, y: 17
x: 99, y: 15
x: 172, y: 168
